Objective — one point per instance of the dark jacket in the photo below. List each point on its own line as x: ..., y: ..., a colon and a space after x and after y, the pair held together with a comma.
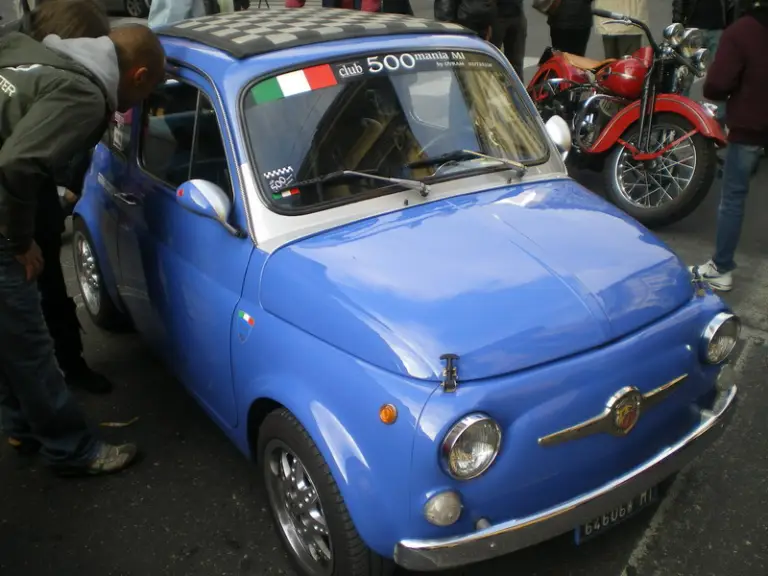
x: 48, y: 115
x: 572, y: 15
x: 739, y: 76
x: 509, y: 8
x: 476, y: 15
x: 683, y: 10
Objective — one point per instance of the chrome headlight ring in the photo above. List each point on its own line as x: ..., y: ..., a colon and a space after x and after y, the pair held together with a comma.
x: 470, y: 447
x: 720, y: 338
x: 701, y: 59
x: 674, y: 34
x: 693, y: 40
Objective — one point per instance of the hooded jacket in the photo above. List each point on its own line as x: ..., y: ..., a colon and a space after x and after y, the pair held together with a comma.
x: 55, y: 100
x: 739, y: 76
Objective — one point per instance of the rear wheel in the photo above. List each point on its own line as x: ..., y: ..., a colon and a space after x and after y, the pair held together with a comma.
x: 98, y: 303
x: 665, y: 190
x: 309, y: 511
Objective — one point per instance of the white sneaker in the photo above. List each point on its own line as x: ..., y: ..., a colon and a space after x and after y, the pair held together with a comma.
x: 708, y: 272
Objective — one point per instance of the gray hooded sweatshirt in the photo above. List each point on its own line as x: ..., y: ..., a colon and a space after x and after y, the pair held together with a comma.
x: 55, y: 102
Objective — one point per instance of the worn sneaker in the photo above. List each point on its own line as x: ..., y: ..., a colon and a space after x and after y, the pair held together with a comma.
x: 109, y: 460
x: 708, y: 272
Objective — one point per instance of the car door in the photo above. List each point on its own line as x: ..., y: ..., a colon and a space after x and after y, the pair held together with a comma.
x: 185, y: 271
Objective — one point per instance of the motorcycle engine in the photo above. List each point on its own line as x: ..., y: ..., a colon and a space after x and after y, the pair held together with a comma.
x: 594, y: 119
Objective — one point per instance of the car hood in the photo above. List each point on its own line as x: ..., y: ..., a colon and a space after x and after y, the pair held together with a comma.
x: 506, y: 279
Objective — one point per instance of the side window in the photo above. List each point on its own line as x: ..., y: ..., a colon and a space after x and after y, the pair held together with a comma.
x: 118, y: 134
x: 181, y: 138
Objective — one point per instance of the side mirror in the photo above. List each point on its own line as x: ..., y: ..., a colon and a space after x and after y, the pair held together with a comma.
x: 208, y: 200
x: 560, y: 133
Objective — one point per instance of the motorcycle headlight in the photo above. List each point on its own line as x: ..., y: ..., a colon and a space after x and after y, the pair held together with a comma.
x: 471, y: 446
x: 692, y: 40
x: 674, y: 33
x: 701, y: 59
x: 720, y: 338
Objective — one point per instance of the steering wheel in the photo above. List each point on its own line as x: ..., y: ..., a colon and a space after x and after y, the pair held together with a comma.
x: 447, y: 134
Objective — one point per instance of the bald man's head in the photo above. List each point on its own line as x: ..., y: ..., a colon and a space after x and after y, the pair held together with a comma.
x: 142, y: 63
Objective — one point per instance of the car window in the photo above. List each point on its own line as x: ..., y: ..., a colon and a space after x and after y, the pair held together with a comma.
x: 181, y: 139
x: 379, y: 114
x: 118, y: 135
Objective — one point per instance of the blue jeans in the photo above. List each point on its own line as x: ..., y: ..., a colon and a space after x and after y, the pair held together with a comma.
x: 162, y: 12
x: 740, y: 165
x: 35, y: 403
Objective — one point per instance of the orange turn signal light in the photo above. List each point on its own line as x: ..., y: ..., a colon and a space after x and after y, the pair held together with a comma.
x: 388, y: 414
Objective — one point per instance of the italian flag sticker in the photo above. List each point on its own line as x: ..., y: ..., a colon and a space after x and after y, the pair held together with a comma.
x: 285, y: 193
x: 296, y: 82
x: 247, y: 318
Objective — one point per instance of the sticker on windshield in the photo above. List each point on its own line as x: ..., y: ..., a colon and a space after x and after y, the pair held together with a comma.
x: 279, y: 178
x: 285, y: 194
x: 296, y: 82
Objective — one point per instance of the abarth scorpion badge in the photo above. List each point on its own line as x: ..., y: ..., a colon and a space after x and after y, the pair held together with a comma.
x: 621, y: 414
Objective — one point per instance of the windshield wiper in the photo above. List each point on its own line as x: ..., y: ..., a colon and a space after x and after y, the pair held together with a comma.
x: 457, y: 155
x: 417, y: 185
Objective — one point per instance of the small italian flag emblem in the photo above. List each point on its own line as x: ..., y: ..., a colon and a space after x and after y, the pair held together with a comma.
x: 296, y: 82
x: 285, y: 193
x: 248, y: 319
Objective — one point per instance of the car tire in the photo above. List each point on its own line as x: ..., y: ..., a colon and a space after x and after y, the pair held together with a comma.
x: 280, y: 435
x: 103, y: 311
x: 697, y: 189
x: 136, y: 8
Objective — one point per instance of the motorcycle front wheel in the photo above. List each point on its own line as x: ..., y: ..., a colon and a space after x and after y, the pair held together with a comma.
x: 667, y: 189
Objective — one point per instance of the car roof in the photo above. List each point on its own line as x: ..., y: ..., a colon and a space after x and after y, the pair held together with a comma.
x: 258, y: 31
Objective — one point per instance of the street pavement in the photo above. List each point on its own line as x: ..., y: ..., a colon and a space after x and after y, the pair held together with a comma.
x: 193, y: 506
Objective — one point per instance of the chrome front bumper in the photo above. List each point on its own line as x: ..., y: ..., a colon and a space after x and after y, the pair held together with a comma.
x: 507, y: 537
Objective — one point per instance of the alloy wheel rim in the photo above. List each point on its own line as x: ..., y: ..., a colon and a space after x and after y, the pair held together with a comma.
x: 650, y: 188
x: 135, y: 8
x: 87, y: 274
x: 297, y: 505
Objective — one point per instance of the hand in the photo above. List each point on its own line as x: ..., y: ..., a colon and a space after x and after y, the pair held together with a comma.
x: 32, y: 260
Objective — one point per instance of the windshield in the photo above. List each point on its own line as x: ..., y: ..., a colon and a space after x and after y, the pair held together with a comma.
x: 381, y: 114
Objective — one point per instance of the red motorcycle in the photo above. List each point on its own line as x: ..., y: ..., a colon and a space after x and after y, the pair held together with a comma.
x: 656, y: 148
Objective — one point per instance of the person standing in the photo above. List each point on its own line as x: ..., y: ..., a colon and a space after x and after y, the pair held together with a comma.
x: 739, y: 77
x: 510, y: 31
x: 477, y: 15
x: 711, y: 17
x: 618, y: 39
x: 55, y: 100
x: 570, y: 24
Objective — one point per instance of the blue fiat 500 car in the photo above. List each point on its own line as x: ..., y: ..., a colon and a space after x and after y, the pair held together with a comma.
x: 355, y: 242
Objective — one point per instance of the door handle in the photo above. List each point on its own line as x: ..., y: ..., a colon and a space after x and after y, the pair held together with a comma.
x: 126, y: 198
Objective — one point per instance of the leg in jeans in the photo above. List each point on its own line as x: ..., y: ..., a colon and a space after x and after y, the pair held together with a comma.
x: 34, y: 398
x: 514, y: 43
x: 740, y: 163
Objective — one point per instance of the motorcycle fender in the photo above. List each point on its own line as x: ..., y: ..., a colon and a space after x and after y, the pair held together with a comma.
x: 695, y: 113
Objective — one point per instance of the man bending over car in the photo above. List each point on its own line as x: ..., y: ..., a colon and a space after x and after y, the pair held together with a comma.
x: 55, y: 100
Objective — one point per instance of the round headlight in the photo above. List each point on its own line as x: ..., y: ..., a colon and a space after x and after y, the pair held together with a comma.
x: 674, y: 33
x: 471, y: 446
x: 720, y: 338
x: 692, y: 40
x: 443, y: 509
x: 701, y: 59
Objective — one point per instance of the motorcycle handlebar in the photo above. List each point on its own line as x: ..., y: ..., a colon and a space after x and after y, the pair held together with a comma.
x: 609, y: 14
x: 639, y: 23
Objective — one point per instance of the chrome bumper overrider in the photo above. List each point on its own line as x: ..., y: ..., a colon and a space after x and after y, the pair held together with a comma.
x: 516, y: 534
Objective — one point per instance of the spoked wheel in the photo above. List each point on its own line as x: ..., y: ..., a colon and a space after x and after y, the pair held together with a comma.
x: 96, y: 298
x: 664, y: 190
x: 137, y: 8
x: 309, y: 511
x: 294, y: 499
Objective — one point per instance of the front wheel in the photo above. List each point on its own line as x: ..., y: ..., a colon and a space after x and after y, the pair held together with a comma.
x: 665, y: 190
x: 309, y: 511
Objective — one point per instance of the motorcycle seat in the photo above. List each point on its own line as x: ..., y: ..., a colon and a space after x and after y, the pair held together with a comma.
x: 586, y: 63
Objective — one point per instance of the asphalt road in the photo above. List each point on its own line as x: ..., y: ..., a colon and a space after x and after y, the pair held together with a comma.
x: 193, y: 506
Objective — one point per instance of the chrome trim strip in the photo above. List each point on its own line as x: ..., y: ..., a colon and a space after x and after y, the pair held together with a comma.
x: 512, y: 535
x: 606, y: 421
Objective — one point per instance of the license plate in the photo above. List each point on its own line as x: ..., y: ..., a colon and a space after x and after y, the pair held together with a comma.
x: 603, y: 523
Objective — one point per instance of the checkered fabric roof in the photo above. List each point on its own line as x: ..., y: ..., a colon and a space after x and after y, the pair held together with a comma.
x: 257, y: 31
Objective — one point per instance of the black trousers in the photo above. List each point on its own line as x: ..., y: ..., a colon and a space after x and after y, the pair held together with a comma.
x: 59, y: 309
x: 572, y: 40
